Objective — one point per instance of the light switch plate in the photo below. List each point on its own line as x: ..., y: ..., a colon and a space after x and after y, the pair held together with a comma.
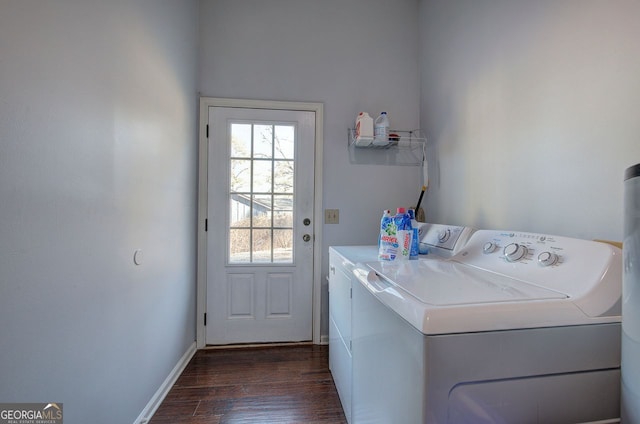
x: 331, y: 216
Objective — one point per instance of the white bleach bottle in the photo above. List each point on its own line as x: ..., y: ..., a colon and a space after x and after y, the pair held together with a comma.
x: 364, y: 129
x: 381, y: 130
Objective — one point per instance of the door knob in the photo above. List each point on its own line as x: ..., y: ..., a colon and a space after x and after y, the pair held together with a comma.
x: 306, y: 237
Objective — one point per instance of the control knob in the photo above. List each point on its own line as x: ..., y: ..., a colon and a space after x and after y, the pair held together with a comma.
x: 489, y: 247
x: 547, y: 259
x: 514, y: 252
x: 443, y: 235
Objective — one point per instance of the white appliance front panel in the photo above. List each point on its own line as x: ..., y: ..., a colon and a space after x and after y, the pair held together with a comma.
x: 403, y: 376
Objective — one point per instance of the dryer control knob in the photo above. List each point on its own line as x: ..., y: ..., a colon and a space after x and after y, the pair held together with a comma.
x: 547, y: 259
x: 489, y: 247
x: 443, y: 235
x: 514, y: 252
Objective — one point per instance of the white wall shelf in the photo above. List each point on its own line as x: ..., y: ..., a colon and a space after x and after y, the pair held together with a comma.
x: 407, y: 149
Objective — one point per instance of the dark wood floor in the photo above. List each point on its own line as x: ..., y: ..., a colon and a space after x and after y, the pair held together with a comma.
x: 285, y: 384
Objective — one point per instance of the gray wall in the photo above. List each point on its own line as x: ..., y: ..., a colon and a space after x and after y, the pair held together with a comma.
x: 350, y: 55
x: 98, y: 110
x: 532, y: 112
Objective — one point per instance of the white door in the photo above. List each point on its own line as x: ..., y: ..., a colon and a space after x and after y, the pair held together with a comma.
x: 260, y: 225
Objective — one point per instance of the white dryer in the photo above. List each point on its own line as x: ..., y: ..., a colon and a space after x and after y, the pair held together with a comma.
x: 514, y: 328
x: 442, y: 241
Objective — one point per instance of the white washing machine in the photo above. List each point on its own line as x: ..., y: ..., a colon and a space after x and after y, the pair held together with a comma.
x: 514, y: 328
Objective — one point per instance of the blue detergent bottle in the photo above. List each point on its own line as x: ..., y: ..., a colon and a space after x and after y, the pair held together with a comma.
x: 414, y: 251
x: 403, y: 224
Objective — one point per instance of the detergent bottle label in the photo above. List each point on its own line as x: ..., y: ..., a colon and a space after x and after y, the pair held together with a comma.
x: 395, y: 237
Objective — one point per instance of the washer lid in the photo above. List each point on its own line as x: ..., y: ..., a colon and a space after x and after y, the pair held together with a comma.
x: 446, y: 283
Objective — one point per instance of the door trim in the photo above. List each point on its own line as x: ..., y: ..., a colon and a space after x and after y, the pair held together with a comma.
x: 201, y: 294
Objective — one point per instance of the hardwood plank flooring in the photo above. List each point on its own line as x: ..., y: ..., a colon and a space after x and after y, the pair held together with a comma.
x: 273, y: 384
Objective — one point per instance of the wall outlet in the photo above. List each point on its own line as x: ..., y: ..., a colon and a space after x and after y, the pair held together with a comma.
x: 331, y: 216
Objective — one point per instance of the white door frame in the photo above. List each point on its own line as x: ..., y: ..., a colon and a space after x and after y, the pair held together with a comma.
x: 205, y: 103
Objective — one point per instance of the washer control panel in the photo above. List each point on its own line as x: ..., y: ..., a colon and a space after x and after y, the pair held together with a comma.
x: 565, y: 264
x: 527, y: 247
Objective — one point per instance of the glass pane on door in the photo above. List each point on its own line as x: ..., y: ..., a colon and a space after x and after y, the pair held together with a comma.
x: 261, y: 193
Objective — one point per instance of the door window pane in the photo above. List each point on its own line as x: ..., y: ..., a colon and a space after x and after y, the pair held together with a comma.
x: 283, y: 176
x: 283, y: 141
x: 261, y: 251
x: 240, y: 176
x: 240, y: 140
x: 282, y: 245
x: 263, y: 141
x: 283, y: 211
x: 240, y: 242
x: 263, y: 211
x: 240, y: 210
x: 262, y: 176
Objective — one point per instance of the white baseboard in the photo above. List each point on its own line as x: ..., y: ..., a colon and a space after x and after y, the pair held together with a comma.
x: 167, y: 384
x: 324, y: 339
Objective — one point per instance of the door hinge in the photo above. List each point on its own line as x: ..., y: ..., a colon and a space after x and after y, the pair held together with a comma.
x: 350, y: 293
x: 205, y: 319
x: 207, y: 130
x: 206, y: 225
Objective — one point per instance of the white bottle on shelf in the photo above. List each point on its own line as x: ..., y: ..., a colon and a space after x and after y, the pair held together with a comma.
x: 364, y: 129
x: 381, y: 130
